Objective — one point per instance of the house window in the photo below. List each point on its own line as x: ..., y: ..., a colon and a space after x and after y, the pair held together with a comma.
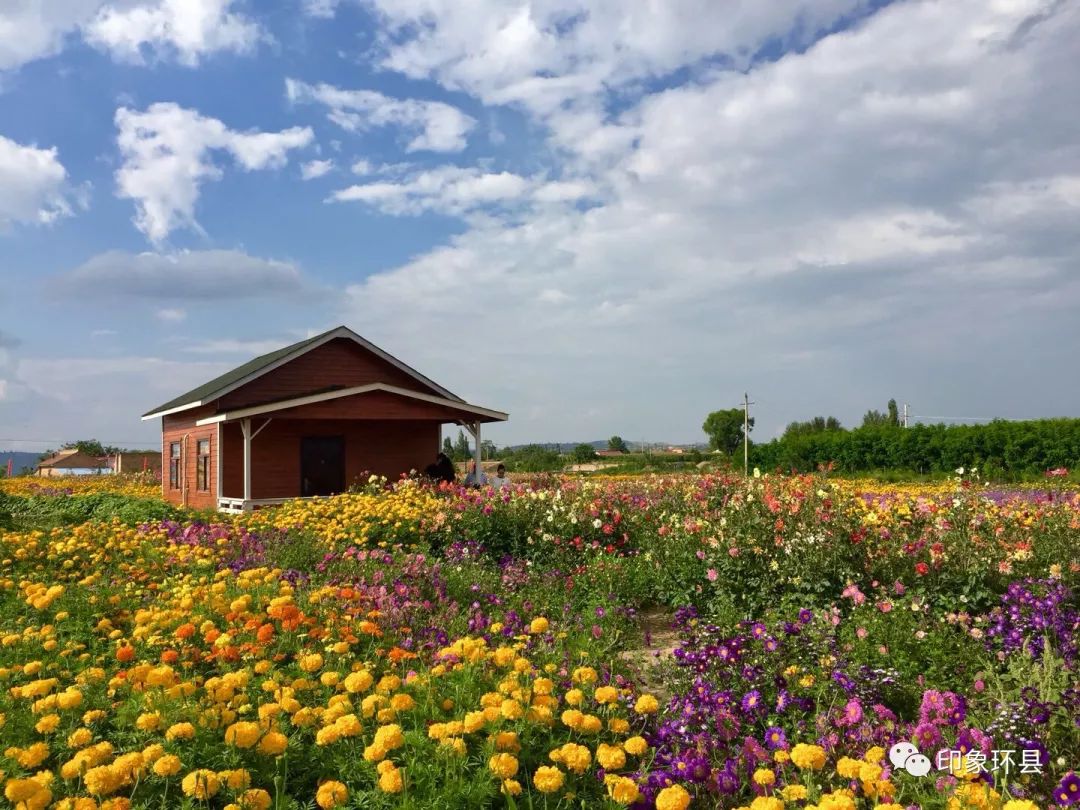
x: 202, y: 468
x: 174, y: 465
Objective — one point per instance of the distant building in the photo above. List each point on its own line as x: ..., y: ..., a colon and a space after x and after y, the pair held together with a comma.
x: 609, y: 453
x: 136, y: 461
x: 72, y: 462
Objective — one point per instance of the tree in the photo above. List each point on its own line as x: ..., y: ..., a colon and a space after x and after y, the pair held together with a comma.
x: 875, y: 419
x: 462, y: 452
x: 487, y: 449
x: 448, y: 447
x: 894, y: 413
x: 583, y: 453
x: 617, y: 443
x: 725, y: 429
x: 819, y: 424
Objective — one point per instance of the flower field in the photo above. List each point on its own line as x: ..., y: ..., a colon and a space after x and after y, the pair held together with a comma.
x: 668, y: 642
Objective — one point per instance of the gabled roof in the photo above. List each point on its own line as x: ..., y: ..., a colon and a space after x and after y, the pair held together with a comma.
x: 74, y: 460
x: 231, y: 380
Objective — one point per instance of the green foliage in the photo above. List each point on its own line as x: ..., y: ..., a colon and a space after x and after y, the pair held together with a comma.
x: 533, y: 458
x: 819, y: 424
x: 583, y: 453
x: 1005, y: 450
x: 462, y: 451
x: 725, y: 429
x: 47, y: 511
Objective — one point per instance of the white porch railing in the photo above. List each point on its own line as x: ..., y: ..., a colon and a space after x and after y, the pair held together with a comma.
x: 237, y: 505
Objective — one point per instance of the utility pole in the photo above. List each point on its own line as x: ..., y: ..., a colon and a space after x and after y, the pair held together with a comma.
x: 905, y: 414
x: 746, y: 433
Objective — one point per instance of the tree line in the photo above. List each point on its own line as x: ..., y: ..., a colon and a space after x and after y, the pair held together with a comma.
x: 1000, y: 448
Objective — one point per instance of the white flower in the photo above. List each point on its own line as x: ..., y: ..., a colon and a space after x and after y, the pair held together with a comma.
x: 757, y: 473
x: 596, y: 524
x: 959, y: 470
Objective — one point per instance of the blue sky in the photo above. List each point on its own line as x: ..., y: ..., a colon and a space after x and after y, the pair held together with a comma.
x: 601, y: 216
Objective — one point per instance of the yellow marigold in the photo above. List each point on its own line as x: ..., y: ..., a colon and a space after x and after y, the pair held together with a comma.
x: 764, y: 777
x: 180, y: 731
x: 766, y: 803
x: 79, y: 738
x: 168, y: 765
x: 504, y: 656
x: 24, y: 791
x: 402, y: 702
x: 574, y: 697
x: 848, y: 767
x: 618, y: 725
x: 584, y: 675
x: 793, y: 793
x: 591, y: 724
x: 543, y: 686
x: 1020, y: 804
x: 808, y: 756
x: 238, y: 779
x: 273, y: 744
x: 889, y: 806
x: 511, y: 787
x: 254, y: 799
x: 538, y: 625
x: 47, y: 724
x: 69, y: 699
x: 674, y: 797
x: 148, y: 721
x: 454, y: 745
x: 635, y: 746
x: 622, y: 789
x: 503, y: 765
x: 389, y: 737
x: 610, y: 757
x: 359, y: 681
x: 606, y: 694
x: 836, y: 800
x: 507, y: 741
x: 391, y: 781
x: 875, y: 755
x: 311, y: 663
x: 646, y: 704
x: 548, y: 779
x: 201, y: 784
x: 243, y: 734
x: 331, y: 794
x: 474, y: 721
x: 572, y: 718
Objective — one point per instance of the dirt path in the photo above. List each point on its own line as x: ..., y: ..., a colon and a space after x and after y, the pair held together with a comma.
x: 658, y: 640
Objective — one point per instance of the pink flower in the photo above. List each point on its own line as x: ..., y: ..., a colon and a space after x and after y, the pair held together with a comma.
x: 861, y: 632
x: 898, y: 588
x: 700, y: 554
x: 884, y: 607
x: 733, y: 552
x: 711, y: 575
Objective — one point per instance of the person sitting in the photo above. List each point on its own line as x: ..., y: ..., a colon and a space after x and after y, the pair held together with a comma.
x: 474, y: 478
x: 441, y: 470
x: 499, y: 480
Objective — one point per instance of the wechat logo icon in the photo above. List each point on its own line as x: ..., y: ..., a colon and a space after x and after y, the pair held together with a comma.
x: 905, y: 755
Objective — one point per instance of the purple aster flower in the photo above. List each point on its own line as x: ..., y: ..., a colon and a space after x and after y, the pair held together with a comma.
x: 926, y: 735
x: 775, y: 738
x: 806, y: 615
x: 751, y: 701
x: 758, y: 630
x: 1068, y: 790
x: 783, y: 700
x: 853, y: 712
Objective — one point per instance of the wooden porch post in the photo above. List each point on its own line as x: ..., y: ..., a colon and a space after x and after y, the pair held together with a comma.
x: 245, y: 427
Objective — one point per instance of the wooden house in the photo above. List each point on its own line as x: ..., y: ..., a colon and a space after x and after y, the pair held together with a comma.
x: 306, y: 420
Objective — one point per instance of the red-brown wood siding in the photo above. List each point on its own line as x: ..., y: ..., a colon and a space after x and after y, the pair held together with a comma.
x: 383, y: 448
x: 373, y: 405
x: 341, y: 362
x: 174, y: 428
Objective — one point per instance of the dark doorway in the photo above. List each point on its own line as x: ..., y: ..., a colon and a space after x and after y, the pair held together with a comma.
x: 322, y: 465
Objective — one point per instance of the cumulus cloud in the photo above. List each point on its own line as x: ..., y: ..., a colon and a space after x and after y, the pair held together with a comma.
x: 458, y: 191
x: 432, y: 125
x: 167, y: 153
x: 171, y: 315
x: 184, y: 30
x: 190, y: 275
x: 893, y: 207
x: 33, y: 185
x: 316, y: 168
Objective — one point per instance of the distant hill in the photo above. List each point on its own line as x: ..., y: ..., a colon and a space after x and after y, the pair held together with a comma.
x: 20, y: 458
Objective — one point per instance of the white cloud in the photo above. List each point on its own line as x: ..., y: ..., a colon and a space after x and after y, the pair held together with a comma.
x: 438, y: 127
x: 167, y: 156
x: 186, y: 30
x: 171, y: 315
x: 191, y: 275
x: 253, y: 348
x: 447, y: 190
x: 316, y: 168
x: 33, y: 185
x: 902, y: 186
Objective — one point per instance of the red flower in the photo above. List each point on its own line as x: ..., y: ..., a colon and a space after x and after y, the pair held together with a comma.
x: 922, y: 569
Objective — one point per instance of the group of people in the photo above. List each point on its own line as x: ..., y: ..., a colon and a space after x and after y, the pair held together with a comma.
x: 443, y: 470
